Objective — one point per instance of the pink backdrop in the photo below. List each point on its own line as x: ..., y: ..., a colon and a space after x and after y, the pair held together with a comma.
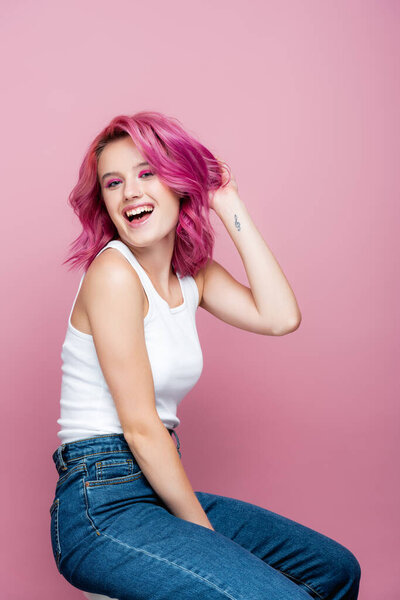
x: 302, y: 99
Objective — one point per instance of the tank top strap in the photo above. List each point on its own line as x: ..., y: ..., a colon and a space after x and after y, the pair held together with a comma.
x: 144, y: 278
x: 76, y: 295
x: 131, y: 258
x: 187, y: 283
x: 196, y: 295
x: 191, y: 291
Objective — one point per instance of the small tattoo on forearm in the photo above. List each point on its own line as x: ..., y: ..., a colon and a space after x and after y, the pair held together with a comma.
x: 237, y: 224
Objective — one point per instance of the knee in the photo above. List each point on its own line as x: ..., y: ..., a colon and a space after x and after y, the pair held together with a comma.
x: 348, y: 570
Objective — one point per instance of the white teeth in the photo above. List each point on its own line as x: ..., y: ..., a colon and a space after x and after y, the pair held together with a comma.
x: 136, y: 211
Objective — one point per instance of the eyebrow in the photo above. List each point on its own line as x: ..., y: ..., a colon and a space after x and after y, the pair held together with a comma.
x: 142, y: 164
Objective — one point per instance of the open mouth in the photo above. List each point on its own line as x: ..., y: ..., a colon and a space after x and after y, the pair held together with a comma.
x: 138, y: 214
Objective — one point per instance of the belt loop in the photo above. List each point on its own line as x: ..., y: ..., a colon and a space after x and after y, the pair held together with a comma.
x: 178, y: 444
x: 60, y: 459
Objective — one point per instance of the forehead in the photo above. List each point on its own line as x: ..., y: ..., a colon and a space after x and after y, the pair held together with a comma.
x: 119, y: 154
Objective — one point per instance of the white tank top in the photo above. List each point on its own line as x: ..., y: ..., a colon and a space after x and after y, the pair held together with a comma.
x: 87, y: 407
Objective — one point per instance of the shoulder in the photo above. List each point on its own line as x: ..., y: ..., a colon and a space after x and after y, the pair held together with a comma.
x: 110, y: 272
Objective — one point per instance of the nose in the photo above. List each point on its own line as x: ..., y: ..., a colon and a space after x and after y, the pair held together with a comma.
x: 133, y: 188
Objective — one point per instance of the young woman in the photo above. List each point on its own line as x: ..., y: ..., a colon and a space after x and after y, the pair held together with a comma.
x: 125, y: 521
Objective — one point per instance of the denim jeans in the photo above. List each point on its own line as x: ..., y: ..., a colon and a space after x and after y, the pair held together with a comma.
x: 112, y: 534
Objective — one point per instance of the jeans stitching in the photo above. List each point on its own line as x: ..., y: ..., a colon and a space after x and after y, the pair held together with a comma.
x: 303, y: 582
x: 56, y: 531
x: 145, y: 551
x: 105, y: 435
x: 76, y: 469
x: 123, y: 479
x: 95, y: 454
x: 94, y: 437
x: 170, y: 563
x: 102, y: 466
x: 87, y: 507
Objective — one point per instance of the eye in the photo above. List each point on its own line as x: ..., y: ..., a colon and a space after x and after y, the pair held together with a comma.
x: 109, y: 184
x: 146, y: 173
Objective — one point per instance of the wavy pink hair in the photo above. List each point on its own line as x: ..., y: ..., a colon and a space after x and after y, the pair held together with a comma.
x: 179, y: 160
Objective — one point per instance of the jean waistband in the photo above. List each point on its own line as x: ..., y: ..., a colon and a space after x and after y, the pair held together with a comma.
x: 110, y: 442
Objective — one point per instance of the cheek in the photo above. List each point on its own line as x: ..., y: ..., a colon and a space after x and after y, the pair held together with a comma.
x: 110, y: 206
x: 170, y: 195
x: 105, y: 205
x: 175, y: 209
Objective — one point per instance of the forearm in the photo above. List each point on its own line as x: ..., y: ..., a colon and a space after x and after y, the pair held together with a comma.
x: 271, y: 291
x: 157, y: 456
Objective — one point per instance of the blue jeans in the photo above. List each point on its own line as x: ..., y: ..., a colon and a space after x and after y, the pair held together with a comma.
x: 112, y: 534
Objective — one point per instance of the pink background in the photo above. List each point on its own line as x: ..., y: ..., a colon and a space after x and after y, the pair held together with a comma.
x: 302, y: 100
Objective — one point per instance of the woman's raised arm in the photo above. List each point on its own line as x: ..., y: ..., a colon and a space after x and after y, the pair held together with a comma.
x: 268, y: 306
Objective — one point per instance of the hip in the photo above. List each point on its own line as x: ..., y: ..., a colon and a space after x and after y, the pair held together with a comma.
x: 99, y: 481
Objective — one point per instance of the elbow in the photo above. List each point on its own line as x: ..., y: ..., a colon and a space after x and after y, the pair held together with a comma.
x: 294, y: 324
x: 142, y: 429
x: 289, y: 326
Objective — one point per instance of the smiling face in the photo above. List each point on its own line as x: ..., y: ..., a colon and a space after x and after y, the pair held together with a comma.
x: 127, y: 182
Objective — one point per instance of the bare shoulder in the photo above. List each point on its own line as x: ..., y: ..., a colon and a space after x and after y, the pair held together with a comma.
x: 109, y: 267
x: 109, y: 271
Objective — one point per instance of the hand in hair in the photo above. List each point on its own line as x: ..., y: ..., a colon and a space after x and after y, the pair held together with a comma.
x: 228, y: 189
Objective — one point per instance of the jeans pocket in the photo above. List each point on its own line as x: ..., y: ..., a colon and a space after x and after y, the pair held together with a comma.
x: 113, y: 484
x: 55, y: 531
x: 115, y: 468
x: 111, y: 470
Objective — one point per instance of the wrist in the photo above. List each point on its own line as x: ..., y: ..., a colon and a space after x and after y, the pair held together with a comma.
x: 229, y: 205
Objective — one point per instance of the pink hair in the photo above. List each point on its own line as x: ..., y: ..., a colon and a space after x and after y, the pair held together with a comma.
x: 179, y: 160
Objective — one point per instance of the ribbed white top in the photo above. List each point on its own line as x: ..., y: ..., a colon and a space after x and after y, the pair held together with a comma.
x: 86, y: 405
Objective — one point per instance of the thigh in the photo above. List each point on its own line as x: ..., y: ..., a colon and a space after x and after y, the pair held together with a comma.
x: 131, y: 547
x: 148, y: 553
x: 315, y: 562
